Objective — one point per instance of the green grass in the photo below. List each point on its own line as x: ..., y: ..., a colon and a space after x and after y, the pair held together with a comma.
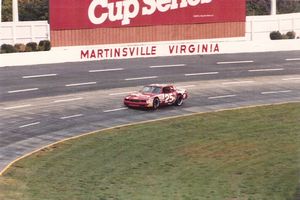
x: 251, y: 153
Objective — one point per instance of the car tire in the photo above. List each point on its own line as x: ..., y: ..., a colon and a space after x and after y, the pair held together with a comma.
x: 179, y: 100
x: 156, y: 103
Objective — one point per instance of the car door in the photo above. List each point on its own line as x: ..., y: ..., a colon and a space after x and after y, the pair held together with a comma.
x: 169, y: 95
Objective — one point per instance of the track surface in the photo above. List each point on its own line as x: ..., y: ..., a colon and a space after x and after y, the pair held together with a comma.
x: 43, y: 104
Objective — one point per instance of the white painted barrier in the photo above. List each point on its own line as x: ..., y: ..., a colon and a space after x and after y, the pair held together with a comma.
x: 24, y: 32
x: 125, y: 51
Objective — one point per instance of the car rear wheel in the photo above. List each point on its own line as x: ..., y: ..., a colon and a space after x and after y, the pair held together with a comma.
x: 179, y: 100
x: 156, y: 103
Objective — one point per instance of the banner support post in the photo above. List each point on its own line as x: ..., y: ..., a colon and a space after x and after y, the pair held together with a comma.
x: 15, y: 9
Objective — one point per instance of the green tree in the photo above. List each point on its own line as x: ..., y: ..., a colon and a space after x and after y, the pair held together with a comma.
x: 33, y: 10
x: 258, y: 7
x: 29, y: 10
x: 288, y: 6
x: 6, y: 10
x: 263, y: 7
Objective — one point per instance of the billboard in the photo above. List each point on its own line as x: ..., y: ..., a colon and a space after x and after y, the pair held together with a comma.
x: 89, y: 14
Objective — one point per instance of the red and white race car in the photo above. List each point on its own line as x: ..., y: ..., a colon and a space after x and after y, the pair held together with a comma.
x: 155, y: 95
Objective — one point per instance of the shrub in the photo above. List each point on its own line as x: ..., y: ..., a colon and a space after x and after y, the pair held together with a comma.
x: 275, y: 35
x: 20, y: 47
x: 31, y: 46
x: 284, y: 36
x: 44, y: 45
x: 8, y: 48
x: 291, y: 35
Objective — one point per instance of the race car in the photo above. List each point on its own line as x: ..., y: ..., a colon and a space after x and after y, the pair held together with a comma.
x: 155, y: 95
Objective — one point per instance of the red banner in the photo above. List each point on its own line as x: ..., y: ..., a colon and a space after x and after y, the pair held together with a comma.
x: 81, y: 14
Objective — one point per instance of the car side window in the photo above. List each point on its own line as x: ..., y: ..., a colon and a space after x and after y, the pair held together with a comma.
x: 172, y: 89
x: 156, y: 90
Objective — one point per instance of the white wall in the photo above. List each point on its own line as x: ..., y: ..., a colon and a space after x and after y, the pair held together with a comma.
x: 139, y: 50
x: 260, y: 27
x: 24, y: 32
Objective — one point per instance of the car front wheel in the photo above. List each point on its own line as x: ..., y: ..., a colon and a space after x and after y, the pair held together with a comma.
x: 156, y: 103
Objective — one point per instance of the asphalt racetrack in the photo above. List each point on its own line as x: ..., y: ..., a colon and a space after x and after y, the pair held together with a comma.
x: 43, y: 104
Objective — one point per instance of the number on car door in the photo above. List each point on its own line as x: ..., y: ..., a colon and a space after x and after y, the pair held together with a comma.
x: 169, y: 95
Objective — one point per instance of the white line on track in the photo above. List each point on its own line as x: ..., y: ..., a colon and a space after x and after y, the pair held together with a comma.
x: 292, y: 59
x: 72, y: 116
x: 202, y: 74
x: 265, y: 70
x: 121, y: 93
x: 291, y: 79
x: 237, y: 82
x: 276, y: 92
x: 186, y: 86
x: 80, y: 84
x: 17, y: 107
x: 39, y: 76
x: 67, y: 100
x: 141, y: 78
x: 235, y: 62
x: 23, y: 90
x: 167, y: 66
x: 114, y: 110
x: 222, y: 97
x: 105, y: 70
x: 31, y: 124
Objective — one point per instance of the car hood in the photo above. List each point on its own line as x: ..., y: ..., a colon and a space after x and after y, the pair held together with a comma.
x: 140, y: 95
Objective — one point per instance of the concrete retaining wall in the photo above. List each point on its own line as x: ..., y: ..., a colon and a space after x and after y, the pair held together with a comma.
x: 142, y: 50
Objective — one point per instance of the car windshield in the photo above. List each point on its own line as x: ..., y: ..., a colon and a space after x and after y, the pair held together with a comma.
x: 151, y: 89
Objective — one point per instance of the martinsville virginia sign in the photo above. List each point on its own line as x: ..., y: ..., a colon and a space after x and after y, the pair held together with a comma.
x: 149, y: 51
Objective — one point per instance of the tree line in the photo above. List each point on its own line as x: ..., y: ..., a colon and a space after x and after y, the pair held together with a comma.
x: 30, y: 10
x: 263, y: 7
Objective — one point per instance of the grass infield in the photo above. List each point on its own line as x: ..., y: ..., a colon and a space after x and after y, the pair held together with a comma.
x: 243, y: 154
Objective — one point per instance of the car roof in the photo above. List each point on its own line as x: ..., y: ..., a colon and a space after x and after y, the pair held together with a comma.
x: 160, y: 85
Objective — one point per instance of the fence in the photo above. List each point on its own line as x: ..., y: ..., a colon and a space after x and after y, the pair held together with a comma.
x: 24, y: 32
x: 259, y: 27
